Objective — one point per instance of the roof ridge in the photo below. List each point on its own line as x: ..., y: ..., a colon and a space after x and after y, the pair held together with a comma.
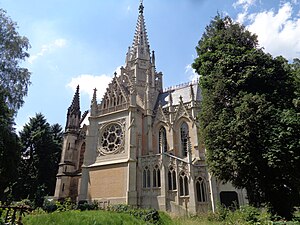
x: 181, y: 85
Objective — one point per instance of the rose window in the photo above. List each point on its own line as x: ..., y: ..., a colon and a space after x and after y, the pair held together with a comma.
x: 112, y: 137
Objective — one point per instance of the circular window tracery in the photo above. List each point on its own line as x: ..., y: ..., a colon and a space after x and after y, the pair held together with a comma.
x: 112, y: 137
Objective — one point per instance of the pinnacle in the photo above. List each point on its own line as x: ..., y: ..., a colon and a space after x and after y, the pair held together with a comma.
x: 140, y: 40
x: 75, y: 102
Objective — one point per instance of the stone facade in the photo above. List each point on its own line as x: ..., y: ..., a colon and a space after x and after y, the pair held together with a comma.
x: 141, y: 145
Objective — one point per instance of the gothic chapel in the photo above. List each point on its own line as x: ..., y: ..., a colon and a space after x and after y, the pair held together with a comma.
x: 141, y: 145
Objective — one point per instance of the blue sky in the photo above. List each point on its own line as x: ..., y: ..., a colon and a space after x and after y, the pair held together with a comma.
x: 84, y: 42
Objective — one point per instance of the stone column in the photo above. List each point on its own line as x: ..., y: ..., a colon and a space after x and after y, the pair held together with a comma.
x: 131, y: 196
x: 164, y: 178
x: 192, y: 194
x: 90, y: 155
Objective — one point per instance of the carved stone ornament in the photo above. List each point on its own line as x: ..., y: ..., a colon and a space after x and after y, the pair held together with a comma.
x: 152, y: 161
x: 111, y: 138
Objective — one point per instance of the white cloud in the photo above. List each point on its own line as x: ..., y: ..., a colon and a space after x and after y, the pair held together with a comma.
x: 278, y: 32
x: 244, y: 3
x: 191, y: 73
x: 87, y: 83
x: 47, y: 48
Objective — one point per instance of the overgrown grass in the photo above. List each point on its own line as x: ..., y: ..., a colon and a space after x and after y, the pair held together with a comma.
x: 66, y: 214
x: 76, y: 217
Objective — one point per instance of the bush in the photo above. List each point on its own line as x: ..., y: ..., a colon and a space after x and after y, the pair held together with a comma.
x: 244, y: 215
x: 49, y: 205
x: 148, y: 215
x: 84, y: 205
x: 25, y: 203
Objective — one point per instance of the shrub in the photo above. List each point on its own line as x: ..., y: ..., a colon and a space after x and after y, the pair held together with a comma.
x: 25, y: 203
x: 84, y: 205
x: 65, y: 205
x: 49, y: 205
x: 148, y: 215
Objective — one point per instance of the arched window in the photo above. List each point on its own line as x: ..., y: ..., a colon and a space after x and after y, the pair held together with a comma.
x: 201, y: 190
x: 146, y: 177
x: 184, y: 135
x: 81, y: 157
x: 184, y: 184
x: 172, y: 179
x: 156, y: 177
x: 162, y: 137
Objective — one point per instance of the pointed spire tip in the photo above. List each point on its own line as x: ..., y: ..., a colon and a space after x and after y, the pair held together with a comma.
x: 141, y: 7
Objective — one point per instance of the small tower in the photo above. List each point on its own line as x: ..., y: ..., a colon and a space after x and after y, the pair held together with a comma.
x: 66, y: 185
x: 74, y: 114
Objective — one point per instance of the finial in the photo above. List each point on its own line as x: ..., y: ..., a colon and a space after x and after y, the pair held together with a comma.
x: 115, y: 73
x: 94, y: 100
x: 180, y: 98
x: 141, y: 7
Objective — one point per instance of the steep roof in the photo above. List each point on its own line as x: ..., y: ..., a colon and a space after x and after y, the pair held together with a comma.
x: 183, y: 91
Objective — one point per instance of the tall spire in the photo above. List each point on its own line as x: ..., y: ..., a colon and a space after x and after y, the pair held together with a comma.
x: 74, y: 113
x: 75, y: 102
x: 140, y: 47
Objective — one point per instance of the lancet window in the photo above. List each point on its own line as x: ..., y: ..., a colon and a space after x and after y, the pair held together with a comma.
x: 156, y: 177
x: 184, y: 184
x: 172, y: 179
x: 81, y: 157
x: 184, y: 135
x: 162, y: 137
x: 201, y: 190
x: 146, y: 177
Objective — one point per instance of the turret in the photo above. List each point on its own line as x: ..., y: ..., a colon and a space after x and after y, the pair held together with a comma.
x: 74, y: 113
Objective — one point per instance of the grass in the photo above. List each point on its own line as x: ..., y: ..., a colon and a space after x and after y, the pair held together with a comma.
x: 194, y: 221
x: 100, y: 217
x: 76, y: 217
x: 244, y: 215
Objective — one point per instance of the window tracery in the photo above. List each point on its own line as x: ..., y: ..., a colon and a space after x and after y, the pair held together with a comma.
x: 172, y: 179
x: 184, y: 135
x: 162, y: 138
x: 111, y: 138
x: 201, y: 190
x: 146, y: 177
x: 156, y: 177
x: 184, y: 184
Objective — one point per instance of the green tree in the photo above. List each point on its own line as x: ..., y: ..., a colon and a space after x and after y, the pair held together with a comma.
x: 248, y: 120
x: 41, y: 147
x: 14, y: 81
x: 9, y: 150
x: 13, y: 50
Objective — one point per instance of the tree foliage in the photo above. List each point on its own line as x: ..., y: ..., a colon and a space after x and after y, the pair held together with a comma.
x: 41, y: 149
x: 9, y: 150
x: 248, y: 120
x: 14, y: 80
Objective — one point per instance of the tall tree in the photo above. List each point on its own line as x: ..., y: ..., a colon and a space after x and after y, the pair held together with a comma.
x: 9, y: 150
x: 13, y: 49
x: 14, y: 81
x: 41, y: 147
x: 248, y: 120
